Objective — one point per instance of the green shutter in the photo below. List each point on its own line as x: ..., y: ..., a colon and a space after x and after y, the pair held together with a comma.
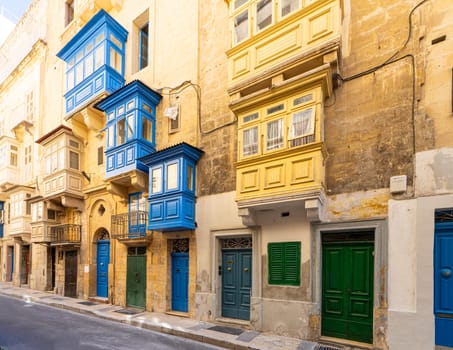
x: 292, y: 263
x: 276, y: 264
x: 284, y: 263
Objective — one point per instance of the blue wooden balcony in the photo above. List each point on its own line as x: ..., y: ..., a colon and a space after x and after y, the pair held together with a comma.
x: 172, y: 188
x: 130, y: 128
x: 95, y: 61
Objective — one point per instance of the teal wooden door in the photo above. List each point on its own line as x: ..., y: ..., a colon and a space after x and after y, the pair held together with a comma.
x: 236, y: 283
x: 102, y: 268
x: 179, y: 281
x: 136, y: 277
x: 443, y: 283
x: 347, y: 291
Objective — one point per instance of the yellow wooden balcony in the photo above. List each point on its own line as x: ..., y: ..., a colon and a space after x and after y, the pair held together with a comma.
x: 280, y: 39
x: 294, y: 173
x: 281, y: 152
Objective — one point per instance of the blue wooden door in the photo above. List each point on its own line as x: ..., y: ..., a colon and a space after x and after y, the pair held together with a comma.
x: 443, y: 283
x: 179, y: 281
x: 236, y: 283
x: 102, y: 271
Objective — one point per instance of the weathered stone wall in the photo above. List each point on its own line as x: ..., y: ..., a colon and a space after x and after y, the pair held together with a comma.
x: 216, y: 170
x: 369, y: 125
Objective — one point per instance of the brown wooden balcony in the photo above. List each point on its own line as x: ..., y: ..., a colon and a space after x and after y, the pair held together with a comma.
x: 130, y: 228
x: 65, y: 234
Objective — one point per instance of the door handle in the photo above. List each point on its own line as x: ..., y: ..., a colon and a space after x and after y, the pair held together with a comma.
x: 178, y: 270
x: 228, y: 268
x: 246, y: 269
x: 446, y: 272
x: 348, y: 291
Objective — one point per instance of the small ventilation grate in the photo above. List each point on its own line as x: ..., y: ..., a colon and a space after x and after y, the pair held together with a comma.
x: 326, y: 347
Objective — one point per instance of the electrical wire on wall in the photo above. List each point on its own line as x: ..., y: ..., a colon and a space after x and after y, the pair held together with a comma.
x: 188, y: 84
x: 394, y: 59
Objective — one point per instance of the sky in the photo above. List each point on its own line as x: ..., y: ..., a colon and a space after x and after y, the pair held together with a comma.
x: 14, y: 8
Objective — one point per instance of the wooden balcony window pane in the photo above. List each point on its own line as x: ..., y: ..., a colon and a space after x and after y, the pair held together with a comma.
x: 241, y: 27
x: 172, y: 176
x: 289, y: 6
x: 239, y: 3
x: 147, y: 129
x: 274, y: 134
x: 250, y: 141
x: 120, y: 129
x: 263, y: 14
x: 74, y: 160
x: 157, y: 180
x: 99, y: 57
x: 130, y: 126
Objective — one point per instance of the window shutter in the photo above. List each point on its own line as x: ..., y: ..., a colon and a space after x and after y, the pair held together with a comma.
x: 275, y: 254
x: 284, y: 263
x: 292, y: 259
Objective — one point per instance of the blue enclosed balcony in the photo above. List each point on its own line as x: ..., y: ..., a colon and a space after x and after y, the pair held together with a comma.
x: 95, y: 62
x: 130, y: 134
x: 172, y: 188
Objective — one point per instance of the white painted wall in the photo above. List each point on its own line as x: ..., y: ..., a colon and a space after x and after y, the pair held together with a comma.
x: 411, y: 325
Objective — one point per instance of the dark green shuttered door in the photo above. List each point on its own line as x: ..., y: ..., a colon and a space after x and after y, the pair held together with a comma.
x: 136, y: 277
x: 347, y: 290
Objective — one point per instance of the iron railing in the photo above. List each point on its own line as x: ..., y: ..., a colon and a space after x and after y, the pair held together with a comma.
x: 67, y: 233
x: 131, y: 225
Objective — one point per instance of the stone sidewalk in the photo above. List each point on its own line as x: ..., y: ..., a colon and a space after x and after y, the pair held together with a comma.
x: 205, y: 332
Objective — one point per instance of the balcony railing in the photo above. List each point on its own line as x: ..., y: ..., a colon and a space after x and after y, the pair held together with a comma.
x: 65, y: 234
x: 128, y: 226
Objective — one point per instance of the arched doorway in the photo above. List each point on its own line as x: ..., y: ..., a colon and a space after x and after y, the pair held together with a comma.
x: 102, y: 264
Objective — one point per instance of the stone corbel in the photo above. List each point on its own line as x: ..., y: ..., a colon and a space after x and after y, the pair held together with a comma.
x: 248, y: 216
x: 315, y: 209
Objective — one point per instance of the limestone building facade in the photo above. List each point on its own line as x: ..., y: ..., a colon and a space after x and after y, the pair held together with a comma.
x: 281, y: 165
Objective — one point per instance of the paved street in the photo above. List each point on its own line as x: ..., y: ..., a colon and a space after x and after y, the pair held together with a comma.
x: 30, y: 326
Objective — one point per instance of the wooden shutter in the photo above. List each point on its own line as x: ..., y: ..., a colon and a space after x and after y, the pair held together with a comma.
x: 284, y: 263
x: 292, y: 263
x: 276, y: 263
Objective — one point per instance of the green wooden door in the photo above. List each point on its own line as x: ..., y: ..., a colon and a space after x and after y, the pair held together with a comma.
x: 136, y: 277
x: 347, y: 290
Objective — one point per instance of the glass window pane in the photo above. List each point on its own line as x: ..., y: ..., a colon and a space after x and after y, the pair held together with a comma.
x: 99, y: 57
x: 274, y: 134
x: 190, y: 177
x: 263, y: 14
x: 289, y: 6
x: 143, y: 60
x: 99, y: 38
x: 157, y: 180
x: 115, y: 41
x: 115, y: 60
x: 241, y: 27
x: 239, y: 3
x: 147, y: 129
x: 250, y: 140
x: 172, y: 176
x: 120, y: 132
x: 70, y: 79
x: 73, y: 160
x: 79, y: 73
x: 89, y: 64
x: 89, y: 47
x: 302, y: 124
x: 130, y: 126
x: 110, y: 134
